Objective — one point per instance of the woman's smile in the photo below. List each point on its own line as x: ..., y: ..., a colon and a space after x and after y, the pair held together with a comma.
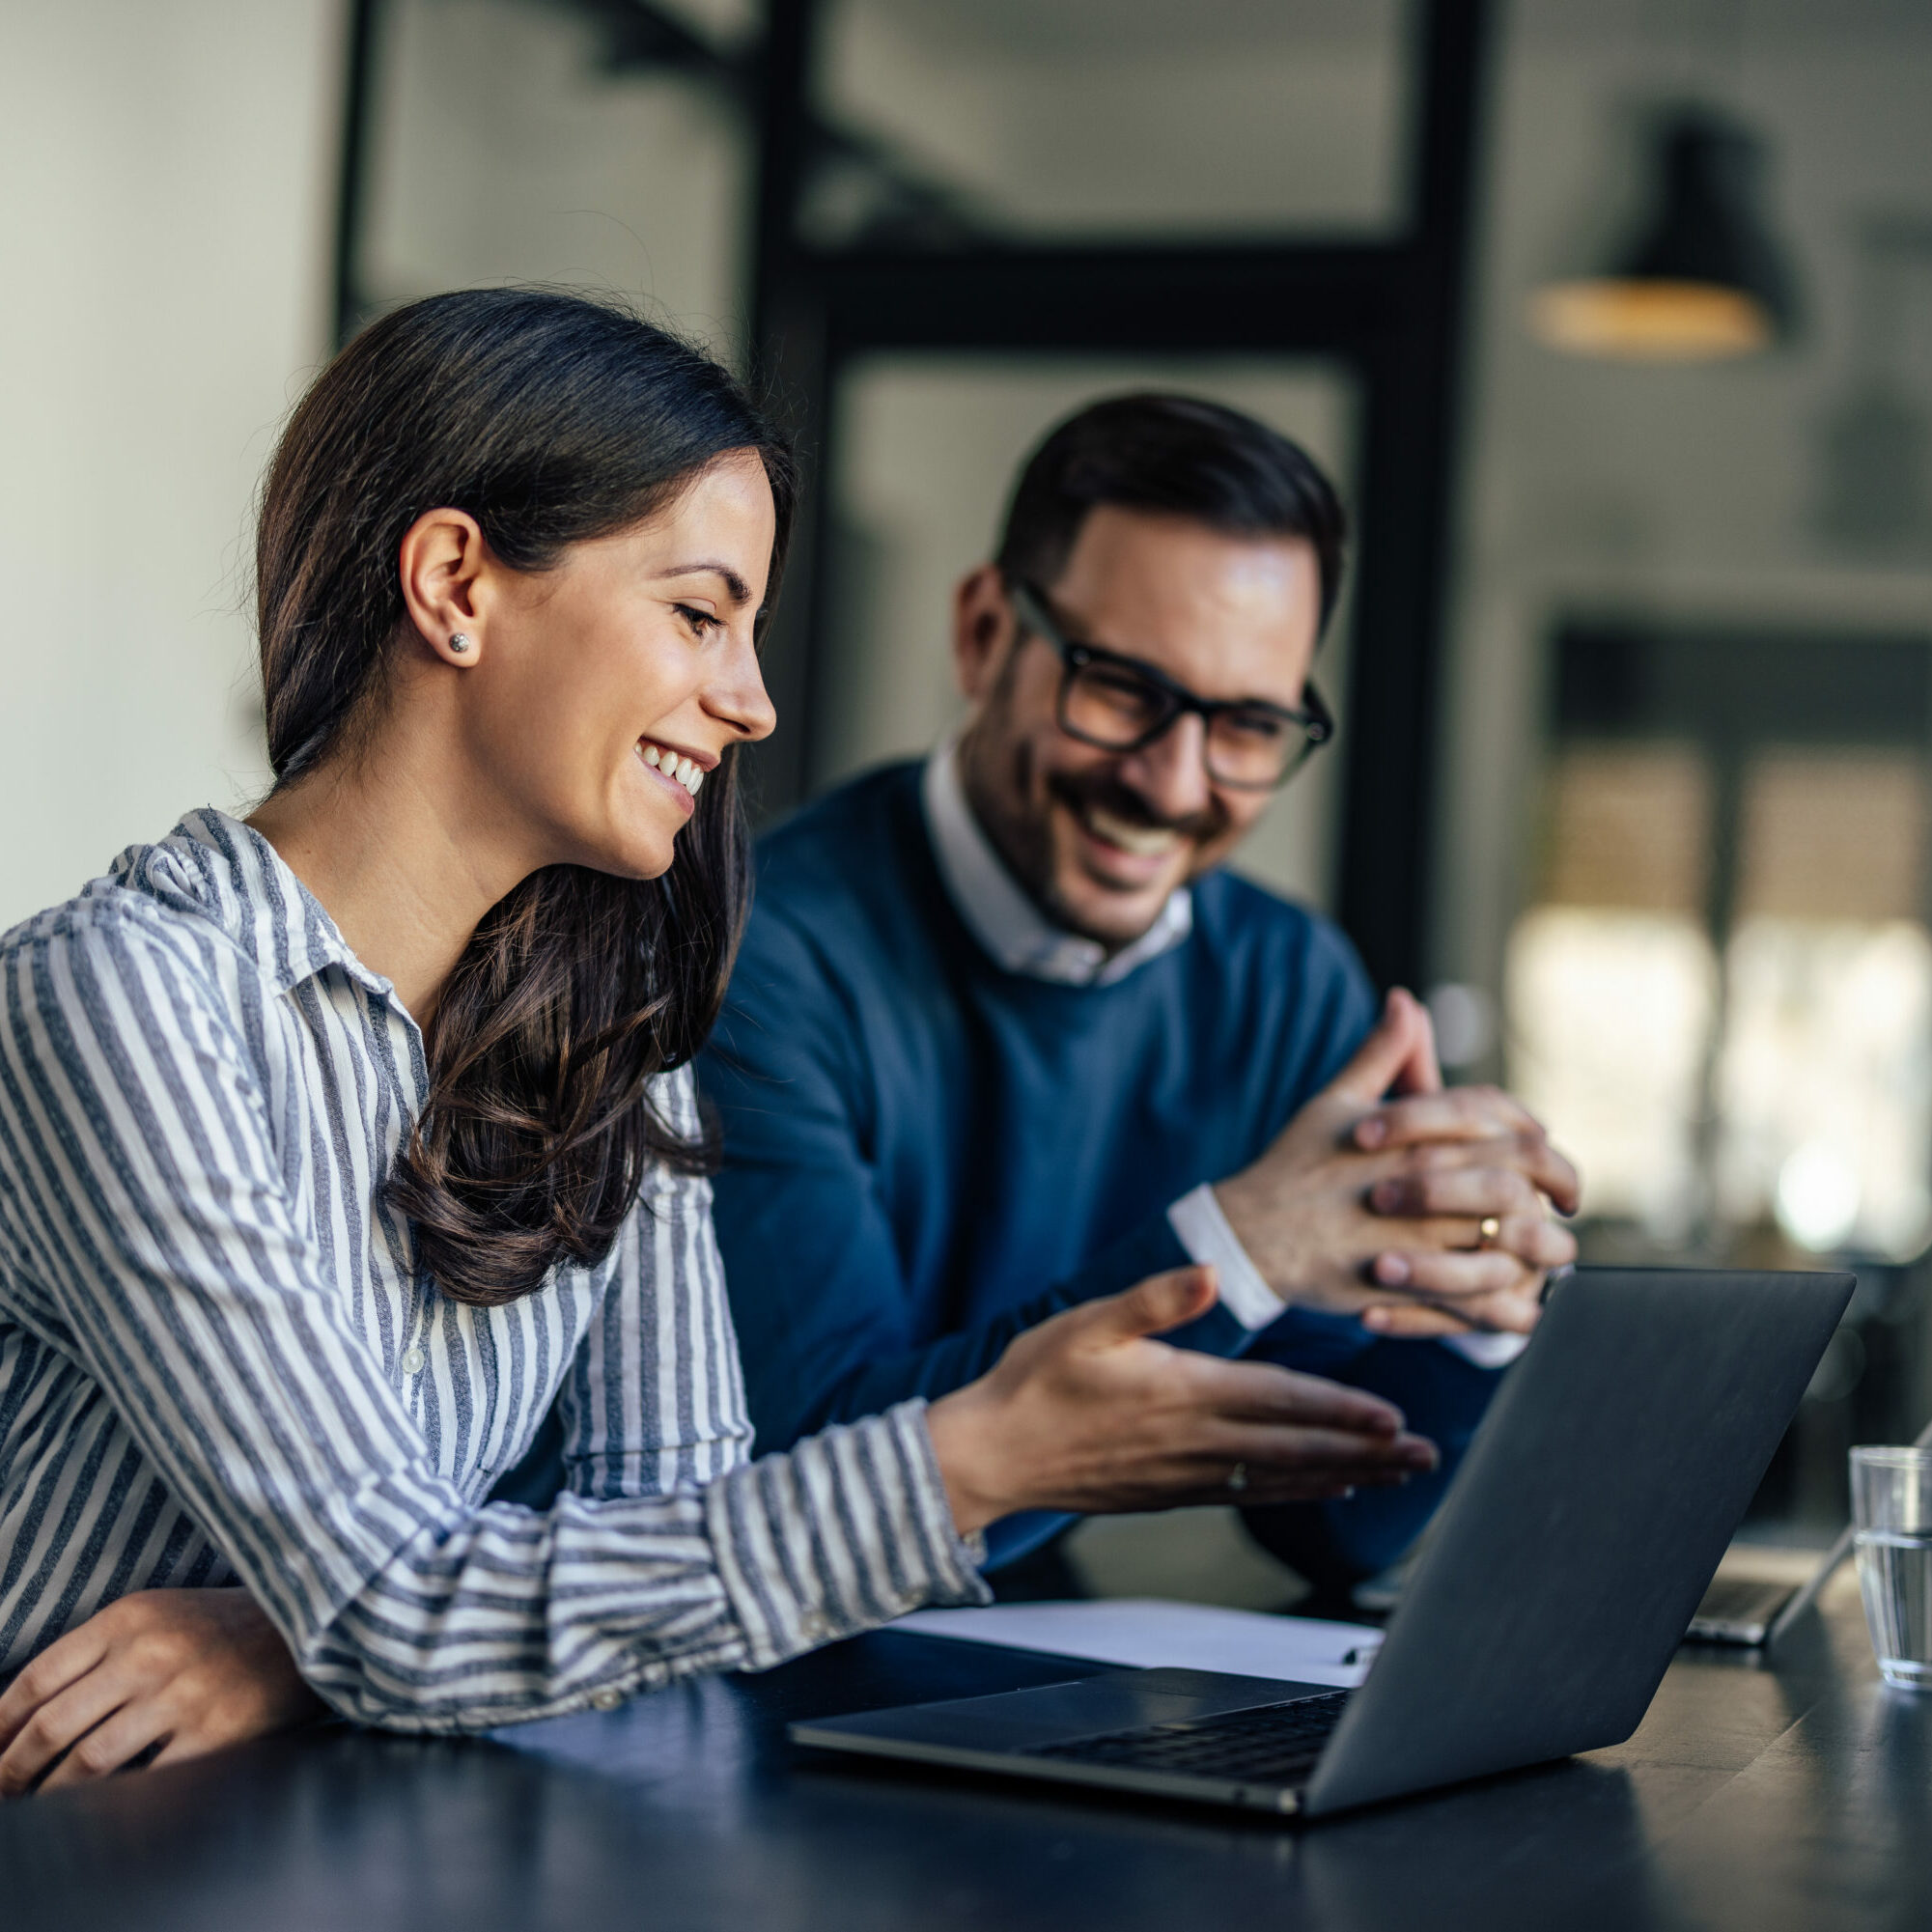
x: 687, y: 769
x: 679, y: 773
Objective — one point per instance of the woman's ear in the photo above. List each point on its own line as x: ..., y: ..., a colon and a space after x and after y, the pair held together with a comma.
x: 442, y: 562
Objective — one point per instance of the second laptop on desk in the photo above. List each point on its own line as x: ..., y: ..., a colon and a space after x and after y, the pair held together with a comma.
x: 1589, y: 1515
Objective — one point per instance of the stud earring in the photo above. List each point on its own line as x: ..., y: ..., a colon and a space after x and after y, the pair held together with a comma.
x: 459, y: 643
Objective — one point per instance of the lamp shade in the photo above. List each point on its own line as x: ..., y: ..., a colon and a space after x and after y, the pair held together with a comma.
x: 1702, y: 279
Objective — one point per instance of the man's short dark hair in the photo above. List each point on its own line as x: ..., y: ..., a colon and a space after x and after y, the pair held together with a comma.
x: 1175, y: 456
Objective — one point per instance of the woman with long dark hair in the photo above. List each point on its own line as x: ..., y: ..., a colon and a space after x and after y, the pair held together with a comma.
x: 338, y: 1143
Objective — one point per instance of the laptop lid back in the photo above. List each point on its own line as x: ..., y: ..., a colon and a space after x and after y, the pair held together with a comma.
x: 1592, y: 1509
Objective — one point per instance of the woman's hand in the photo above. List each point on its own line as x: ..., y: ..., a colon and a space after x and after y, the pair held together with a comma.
x: 1088, y: 1413
x: 190, y: 1670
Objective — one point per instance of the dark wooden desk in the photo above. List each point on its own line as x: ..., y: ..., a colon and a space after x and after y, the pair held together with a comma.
x: 1751, y: 1797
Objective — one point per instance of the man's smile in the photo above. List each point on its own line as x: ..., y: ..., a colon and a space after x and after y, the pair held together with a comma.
x: 1142, y: 841
x: 1120, y: 853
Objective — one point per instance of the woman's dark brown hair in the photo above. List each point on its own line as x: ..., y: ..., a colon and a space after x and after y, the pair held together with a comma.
x: 550, y: 420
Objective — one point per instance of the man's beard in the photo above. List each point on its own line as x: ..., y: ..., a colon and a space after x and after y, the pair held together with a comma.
x: 1079, y: 793
x: 1002, y: 781
x: 1082, y: 791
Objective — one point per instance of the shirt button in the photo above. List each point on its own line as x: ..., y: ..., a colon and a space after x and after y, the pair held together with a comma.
x: 606, y: 1700
x: 413, y: 1362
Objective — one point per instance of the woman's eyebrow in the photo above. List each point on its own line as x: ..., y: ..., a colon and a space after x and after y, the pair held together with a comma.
x: 740, y: 590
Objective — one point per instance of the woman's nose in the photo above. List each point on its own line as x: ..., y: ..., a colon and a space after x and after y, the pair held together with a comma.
x: 740, y: 698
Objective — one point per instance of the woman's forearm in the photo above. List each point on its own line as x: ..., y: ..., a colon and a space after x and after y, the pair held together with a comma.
x: 509, y: 1617
x: 505, y: 1615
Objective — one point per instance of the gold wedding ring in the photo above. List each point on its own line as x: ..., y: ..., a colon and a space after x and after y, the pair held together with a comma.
x: 1489, y: 1231
x: 1237, y: 1477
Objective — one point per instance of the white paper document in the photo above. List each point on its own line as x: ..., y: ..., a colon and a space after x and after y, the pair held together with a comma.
x: 1148, y: 1633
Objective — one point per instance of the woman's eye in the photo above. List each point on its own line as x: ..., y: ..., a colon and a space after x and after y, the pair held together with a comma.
x: 701, y: 621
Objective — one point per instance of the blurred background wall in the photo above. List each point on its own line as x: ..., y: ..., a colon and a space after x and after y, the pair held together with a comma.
x: 167, y: 185
x: 1636, y: 680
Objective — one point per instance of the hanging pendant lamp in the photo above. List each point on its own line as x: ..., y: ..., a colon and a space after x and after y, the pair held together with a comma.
x: 1702, y: 280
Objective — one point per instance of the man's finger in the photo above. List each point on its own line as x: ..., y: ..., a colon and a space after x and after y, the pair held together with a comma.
x: 1453, y: 1113
x: 1472, y: 1114
x: 1533, y: 1240
x: 1537, y: 1242
x: 1439, y: 1122
x: 1553, y: 1173
x: 1528, y: 1154
x: 1150, y: 1307
x: 1469, y: 1193
x: 1426, y: 1321
x: 1458, y: 1272
x: 1400, y: 1053
x: 1523, y: 1245
x: 1423, y: 1071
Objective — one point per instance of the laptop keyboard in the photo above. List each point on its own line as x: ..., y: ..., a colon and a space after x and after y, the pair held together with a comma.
x: 1276, y: 1742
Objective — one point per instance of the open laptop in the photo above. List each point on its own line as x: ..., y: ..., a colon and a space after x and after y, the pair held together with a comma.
x: 1565, y: 1564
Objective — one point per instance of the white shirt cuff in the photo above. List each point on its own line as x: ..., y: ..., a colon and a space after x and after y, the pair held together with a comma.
x: 1487, y: 1351
x: 1203, y: 1230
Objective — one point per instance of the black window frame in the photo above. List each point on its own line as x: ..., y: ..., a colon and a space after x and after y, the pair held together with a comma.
x: 1390, y: 310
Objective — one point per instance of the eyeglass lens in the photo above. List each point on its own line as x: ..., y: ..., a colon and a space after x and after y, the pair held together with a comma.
x: 1108, y: 705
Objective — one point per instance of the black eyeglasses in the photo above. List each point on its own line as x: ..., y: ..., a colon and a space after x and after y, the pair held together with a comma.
x: 1120, y: 704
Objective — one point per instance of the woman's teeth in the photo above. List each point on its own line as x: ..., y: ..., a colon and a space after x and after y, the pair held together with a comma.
x: 1143, y: 841
x: 688, y: 774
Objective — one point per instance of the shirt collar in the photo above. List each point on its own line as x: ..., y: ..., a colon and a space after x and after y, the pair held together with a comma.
x: 231, y: 875
x: 1014, y: 931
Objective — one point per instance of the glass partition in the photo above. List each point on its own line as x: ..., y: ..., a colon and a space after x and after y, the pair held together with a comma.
x: 949, y: 121
x: 1719, y: 992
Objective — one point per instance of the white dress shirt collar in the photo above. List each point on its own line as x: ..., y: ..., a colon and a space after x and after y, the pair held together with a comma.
x: 1015, y: 933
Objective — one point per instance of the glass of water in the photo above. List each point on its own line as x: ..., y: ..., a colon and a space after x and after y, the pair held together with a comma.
x: 1892, y: 1516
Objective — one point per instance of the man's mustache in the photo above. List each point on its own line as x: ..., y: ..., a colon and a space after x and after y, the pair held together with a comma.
x: 1082, y: 791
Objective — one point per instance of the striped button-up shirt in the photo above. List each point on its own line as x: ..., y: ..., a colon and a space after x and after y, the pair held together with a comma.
x: 220, y: 1364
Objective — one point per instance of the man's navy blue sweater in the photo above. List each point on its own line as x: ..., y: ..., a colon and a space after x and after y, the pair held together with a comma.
x: 926, y: 1154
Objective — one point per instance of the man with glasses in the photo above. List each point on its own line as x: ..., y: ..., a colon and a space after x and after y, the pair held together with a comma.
x: 1004, y: 1036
